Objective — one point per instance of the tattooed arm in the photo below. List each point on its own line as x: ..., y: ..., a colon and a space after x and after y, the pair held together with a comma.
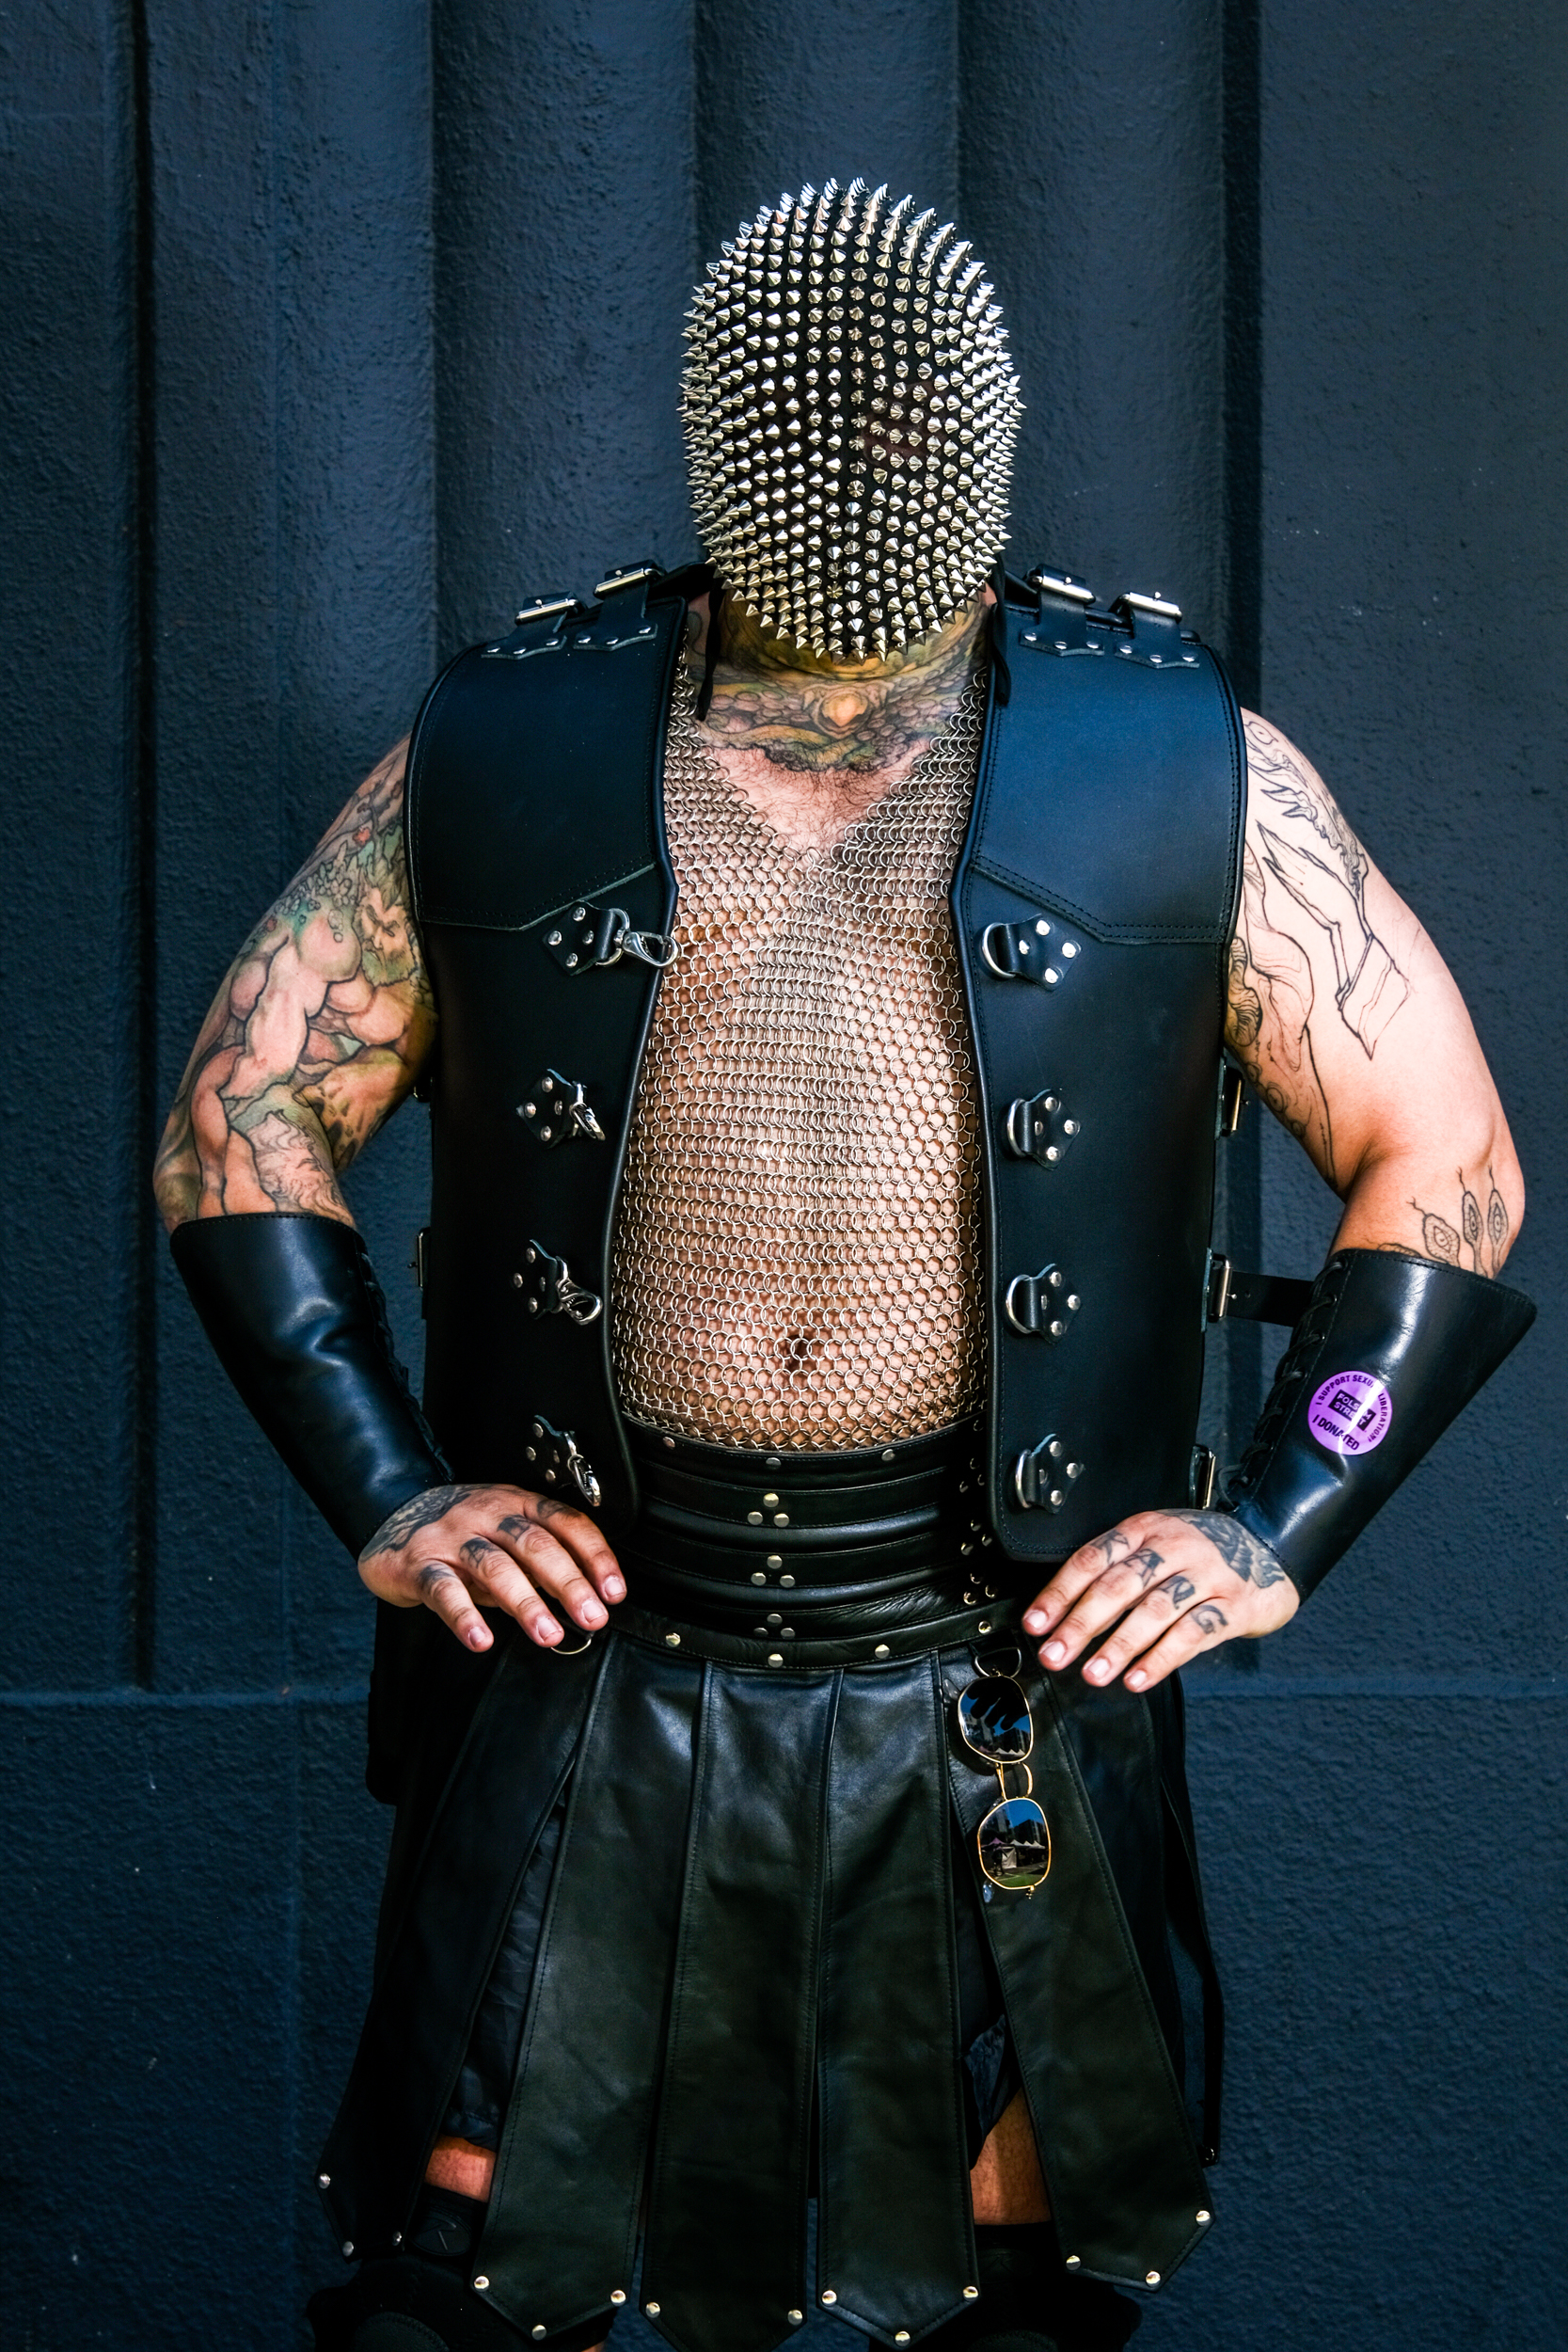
x: 314, y: 1039
x: 316, y: 1035
x: 1348, y: 1023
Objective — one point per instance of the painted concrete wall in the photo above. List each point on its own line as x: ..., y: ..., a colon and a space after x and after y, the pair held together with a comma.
x: 331, y: 332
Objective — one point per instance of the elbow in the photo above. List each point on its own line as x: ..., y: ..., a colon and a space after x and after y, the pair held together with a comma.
x: 175, y: 1176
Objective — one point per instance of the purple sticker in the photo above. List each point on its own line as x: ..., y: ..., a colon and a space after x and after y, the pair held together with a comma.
x: 1350, y: 1414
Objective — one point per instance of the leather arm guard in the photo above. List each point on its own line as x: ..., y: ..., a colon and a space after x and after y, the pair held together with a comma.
x: 291, y: 1305
x: 1391, y: 1348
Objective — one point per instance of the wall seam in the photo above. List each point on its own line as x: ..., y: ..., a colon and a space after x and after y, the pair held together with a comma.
x: 1241, y: 409
x: 142, y: 1584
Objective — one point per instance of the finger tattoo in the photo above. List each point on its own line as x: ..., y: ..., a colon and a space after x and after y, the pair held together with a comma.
x: 476, y: 1552
x: 1145, y: 1565
x: 431, y: 1579
x: 1179, y: 1590
x: 1209, y: 1617
x: 1111, y: 1546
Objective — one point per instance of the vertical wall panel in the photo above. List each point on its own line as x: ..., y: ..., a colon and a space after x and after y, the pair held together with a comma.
x: 564, y: 262
x: 221, y: 846
x: 68, y: 1129
x: 355, y: 565
x: 1415, y: 644
x: 1092, y: 184
x: 787, y: 95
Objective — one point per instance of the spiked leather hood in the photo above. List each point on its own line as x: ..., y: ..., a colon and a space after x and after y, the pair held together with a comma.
x: 850, y: 412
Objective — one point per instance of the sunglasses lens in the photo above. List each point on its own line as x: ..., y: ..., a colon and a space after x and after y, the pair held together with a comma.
x: 993, y: 1716
x: 1015, y: 1844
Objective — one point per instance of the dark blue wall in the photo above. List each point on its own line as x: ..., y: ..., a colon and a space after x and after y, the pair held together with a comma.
x: 330, y: 332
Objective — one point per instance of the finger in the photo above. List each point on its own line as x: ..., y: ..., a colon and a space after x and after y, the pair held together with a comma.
x: 1143, y: 1627
x: 576, y: 1531
x: 1113, y: 1592
x: 555, y: 1571
x: 500, y: 1583
x: 1075, y: 1575
x: 441, y: 1588
x: 1204, y: 1627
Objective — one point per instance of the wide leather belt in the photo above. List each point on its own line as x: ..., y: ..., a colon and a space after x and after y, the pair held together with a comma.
x: 812, y: 1559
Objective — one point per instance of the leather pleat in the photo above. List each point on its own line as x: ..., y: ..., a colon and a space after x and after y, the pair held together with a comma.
x: 576, y: 2129
x: 895, y: 2243
x: 1115, y: 2142
x: 506, y: 1781
x: 724, y: 2257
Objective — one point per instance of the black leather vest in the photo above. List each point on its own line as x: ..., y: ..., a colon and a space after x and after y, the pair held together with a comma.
x: 1093, y: 901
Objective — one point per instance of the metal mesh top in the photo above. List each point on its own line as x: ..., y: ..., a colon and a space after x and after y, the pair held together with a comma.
x: 797, y: 1247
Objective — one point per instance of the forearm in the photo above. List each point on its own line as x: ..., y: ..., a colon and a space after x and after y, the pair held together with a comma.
x: 1456, y: 1196
x: 278, y: 1159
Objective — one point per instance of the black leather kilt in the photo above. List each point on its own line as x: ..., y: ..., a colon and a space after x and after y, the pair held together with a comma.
x: 704, y: 1891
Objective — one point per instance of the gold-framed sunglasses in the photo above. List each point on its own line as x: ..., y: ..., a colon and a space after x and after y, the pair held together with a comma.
x: 994, y: 1724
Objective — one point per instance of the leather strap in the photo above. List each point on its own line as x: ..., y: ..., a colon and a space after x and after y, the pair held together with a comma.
x: 577, y: 2130
x: 1116, y: 2147
x: 895, y: 2240
x: 724, y: 2259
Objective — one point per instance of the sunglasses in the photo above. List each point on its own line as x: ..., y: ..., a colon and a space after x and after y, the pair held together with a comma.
x: 1014, y: 1839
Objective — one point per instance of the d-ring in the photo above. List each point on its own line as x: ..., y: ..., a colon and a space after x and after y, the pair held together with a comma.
x: 556, y: 1650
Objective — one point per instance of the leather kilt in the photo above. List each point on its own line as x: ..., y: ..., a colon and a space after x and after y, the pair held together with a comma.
x: 697, y: 1893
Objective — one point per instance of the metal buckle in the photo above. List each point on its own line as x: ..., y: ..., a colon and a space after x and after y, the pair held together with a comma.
x: 626, y: 576
x: 1040, y: 1304
x: 556, y: 609
x: 1232, y: 1099
x: 1216, y: 1289
x: 1039, y: 1129
x: 558, y: 1108
x: 551, y: 1290
x: 1017, y: 951
x: 1156, y: 642
x: 591, y: 939
x: 1041, y: 1478
x: 1063, y: 611
x: 555, y: 1454
x: 1202, y: 1478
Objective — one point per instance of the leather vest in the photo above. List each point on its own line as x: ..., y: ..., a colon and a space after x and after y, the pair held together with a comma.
x: 1093, y: 903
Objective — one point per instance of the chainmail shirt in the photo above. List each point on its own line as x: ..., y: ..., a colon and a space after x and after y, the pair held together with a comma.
x: 797, y: 1247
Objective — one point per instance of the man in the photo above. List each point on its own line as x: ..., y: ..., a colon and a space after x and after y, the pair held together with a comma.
x: 794, y: 952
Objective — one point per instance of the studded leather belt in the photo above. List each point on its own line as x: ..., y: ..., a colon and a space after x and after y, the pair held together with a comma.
x: 809, y: 1560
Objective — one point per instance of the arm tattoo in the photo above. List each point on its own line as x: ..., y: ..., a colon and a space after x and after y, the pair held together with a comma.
x: 1241, y: 1550
x: 1319, y: 866
x: 1478, y: 1242
x: 1270, y: 1025
x: 316, y: 1035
